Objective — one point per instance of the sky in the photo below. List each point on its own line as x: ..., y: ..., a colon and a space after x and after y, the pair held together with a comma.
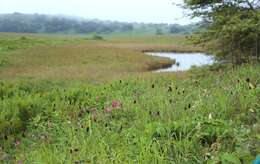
x: 147, y: 11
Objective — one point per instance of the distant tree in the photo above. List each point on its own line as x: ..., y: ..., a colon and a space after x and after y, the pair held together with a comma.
x: 159, y: 31
x: 176, y: 29
x: 97, y: 37
x: 233, y: 27
x: 127, y: 27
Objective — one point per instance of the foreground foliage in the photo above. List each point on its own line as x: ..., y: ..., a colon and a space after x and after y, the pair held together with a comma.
x: 208, y: 116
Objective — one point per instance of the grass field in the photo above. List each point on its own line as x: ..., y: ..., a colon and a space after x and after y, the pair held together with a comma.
x: 53, y: 111
x: 68, y: 58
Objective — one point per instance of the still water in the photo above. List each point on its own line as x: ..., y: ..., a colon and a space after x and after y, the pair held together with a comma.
x: 184, y: 61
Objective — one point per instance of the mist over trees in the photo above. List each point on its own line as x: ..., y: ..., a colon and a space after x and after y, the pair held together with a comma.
x: 37, y: 23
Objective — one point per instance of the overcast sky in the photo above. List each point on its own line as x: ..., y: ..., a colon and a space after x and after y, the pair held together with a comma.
x: 157, y: 11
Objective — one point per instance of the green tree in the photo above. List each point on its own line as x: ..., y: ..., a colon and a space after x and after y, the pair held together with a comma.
x: 159, y: 31
x: 233, y: 28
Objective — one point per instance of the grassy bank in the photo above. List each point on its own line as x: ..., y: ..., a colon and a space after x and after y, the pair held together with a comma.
x: 51, y: 112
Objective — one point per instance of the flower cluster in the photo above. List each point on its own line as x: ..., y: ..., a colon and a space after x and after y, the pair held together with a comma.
x: 115, y: 105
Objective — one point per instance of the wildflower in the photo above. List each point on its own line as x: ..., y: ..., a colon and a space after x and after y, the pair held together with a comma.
x: 120, y: 129
x: 116, y: 104
x: 94, y: 111
x: 97, y: 99
x: 108, y: 110
x: 248, y: 80
x: 17, y: 143
x: 81, y: 113
x: 20, y: 162
x: 94, y: 115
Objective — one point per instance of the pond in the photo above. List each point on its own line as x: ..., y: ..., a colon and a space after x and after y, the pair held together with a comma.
x: 184, y: 61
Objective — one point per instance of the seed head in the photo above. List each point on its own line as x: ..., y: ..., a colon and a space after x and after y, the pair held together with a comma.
x: 248, y: 80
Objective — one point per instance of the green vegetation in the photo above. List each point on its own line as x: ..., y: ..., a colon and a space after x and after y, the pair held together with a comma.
x: 11, y: 42
x: 233, y: 31
x: 91, y: 59
x: 77, y: 100
x: 207, y: 116
x: 97, y: 37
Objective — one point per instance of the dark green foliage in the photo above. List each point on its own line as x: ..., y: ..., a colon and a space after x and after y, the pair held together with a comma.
x: 233, y: 28
x: 97, y: 37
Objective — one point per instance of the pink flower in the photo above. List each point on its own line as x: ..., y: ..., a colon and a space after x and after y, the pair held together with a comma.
x: 116, y: 104
x: 17, y: 143
x: 20, y: 162
x: 108, y: 110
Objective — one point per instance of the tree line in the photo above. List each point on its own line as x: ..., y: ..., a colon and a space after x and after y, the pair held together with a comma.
x: 38, y: 23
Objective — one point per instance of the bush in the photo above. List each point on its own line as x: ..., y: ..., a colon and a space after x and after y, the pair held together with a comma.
x: 97, y: 37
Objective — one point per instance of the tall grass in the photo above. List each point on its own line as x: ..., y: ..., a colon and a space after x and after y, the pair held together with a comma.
x: 205, y: 116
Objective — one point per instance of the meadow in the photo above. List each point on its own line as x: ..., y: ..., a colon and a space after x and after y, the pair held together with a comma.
x: 71, y: 57
x: 70, y: 99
